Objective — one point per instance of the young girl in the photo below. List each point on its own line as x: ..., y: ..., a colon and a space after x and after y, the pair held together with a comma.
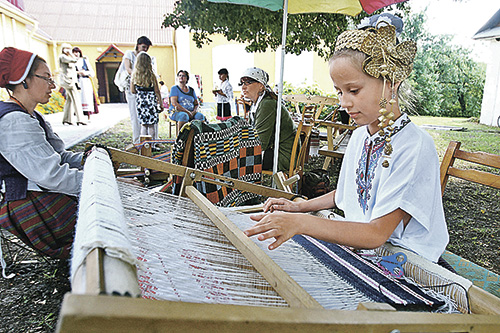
x: 143, y: 83
x: 389, y: 185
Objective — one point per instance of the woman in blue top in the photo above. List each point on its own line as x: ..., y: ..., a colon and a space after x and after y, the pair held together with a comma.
x: 184, y: 101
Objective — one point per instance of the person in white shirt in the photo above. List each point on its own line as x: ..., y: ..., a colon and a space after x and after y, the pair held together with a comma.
x: 389, y: 187
x: 164, y: 92
x: 223, y: 96
x: 126, y: 68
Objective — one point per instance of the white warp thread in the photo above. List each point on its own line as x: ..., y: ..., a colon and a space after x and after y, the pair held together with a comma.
x: 101, y: 222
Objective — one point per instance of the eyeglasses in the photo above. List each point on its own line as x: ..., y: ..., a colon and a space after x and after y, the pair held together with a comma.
x: 49, y: 80
x: 246, y: 82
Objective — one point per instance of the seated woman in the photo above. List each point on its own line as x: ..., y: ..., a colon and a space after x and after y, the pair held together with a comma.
x: 389, y: 186
x: 262, y: 116
x: 184, y: 102
x: 40, y: 180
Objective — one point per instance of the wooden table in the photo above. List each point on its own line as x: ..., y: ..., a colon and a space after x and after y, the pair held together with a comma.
x: 334, y: 150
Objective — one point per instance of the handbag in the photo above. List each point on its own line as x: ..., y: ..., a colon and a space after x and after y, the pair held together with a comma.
x: 121, y: 79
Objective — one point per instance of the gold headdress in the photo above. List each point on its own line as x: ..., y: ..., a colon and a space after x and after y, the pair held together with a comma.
x: 385, y: 58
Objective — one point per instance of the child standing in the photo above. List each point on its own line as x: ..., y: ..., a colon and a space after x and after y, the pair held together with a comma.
x: 144, y: 85
x: 224, y: 96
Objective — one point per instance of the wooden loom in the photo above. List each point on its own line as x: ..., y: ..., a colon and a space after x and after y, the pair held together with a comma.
x: 94, y: 309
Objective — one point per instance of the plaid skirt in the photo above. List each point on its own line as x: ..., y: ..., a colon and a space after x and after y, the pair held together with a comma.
x: 44, y: 221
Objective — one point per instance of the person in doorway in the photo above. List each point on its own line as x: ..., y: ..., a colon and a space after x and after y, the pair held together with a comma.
x: 144, y: 85
x: 127, y: 66
x: 184, y: 101
x: 254, y: 86
x: 224, y: 96
x: 84, y: 73
x: 69, y: 81
x: 389, y: 185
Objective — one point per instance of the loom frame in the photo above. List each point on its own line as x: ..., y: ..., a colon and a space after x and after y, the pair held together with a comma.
x: 98, y: 311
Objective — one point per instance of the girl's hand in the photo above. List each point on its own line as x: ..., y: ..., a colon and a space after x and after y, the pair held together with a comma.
x: 280, y: 226
x: 280, y: 204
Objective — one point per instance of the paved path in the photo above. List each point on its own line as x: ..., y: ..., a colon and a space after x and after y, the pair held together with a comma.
x: 109, y: 115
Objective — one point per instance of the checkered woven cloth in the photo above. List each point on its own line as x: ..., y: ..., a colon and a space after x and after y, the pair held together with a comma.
x: 231, y: 149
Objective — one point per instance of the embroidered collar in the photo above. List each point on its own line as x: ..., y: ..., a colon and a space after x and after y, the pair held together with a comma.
x: 399, y: 124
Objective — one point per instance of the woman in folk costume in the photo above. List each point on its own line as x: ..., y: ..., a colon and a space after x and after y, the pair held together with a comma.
x: 39, y: 179
x: 68, y: 80
x: 388, y: 188
x: 84, y: 72
x: 254, y: 87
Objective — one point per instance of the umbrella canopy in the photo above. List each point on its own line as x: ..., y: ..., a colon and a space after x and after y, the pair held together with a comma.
x: 348, y: 7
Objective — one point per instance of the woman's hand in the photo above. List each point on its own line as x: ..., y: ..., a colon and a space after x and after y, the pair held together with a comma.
x: 280, y: 204
x: 280, y: 226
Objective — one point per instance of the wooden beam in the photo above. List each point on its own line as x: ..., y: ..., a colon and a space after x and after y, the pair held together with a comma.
x: 94, y: 277
x: 179, y: 170
x: 83, y: 313
x: 483, y: 302
x: 284, y: 285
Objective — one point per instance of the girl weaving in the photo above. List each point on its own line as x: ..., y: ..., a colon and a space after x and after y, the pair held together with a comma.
x: 388, y: 186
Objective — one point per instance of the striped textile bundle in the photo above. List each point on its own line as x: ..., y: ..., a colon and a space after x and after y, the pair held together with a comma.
x: 367, y: 277
x: 231, y: 149
x: 44, y: 221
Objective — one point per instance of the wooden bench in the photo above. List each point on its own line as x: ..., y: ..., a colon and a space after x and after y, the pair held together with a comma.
x: 453, y: 153
x: 480, y: 276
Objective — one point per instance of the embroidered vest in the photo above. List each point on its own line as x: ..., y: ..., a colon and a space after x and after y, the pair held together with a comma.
x: 16, y: 185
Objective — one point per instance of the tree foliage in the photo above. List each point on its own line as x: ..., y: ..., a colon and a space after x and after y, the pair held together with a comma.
x: 258, y: 27
x: 446, y: 81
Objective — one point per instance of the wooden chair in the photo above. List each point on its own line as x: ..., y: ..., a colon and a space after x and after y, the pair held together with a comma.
x: 244, y: 105
x: 314, y: 103
x: 453, y: 152
x: 299, y: 156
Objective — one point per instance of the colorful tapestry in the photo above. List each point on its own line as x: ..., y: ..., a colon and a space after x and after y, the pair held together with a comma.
x: 231, y: 149
x: 368, y: 278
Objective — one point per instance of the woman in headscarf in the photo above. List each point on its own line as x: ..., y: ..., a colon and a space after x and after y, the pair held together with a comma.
x: 254, y: 86
x: 40, y: 180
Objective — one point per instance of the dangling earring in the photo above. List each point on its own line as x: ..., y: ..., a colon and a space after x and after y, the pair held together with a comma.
x: 390, y: 121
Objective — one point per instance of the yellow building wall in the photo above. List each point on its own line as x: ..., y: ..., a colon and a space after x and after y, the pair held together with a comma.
x: 16, y: 31
x: 201, y: 64
x: 321, y: 74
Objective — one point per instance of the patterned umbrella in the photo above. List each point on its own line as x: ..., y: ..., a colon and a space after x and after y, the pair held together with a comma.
x: 348, y: 7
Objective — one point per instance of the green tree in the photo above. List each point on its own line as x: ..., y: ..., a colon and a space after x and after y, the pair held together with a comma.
x: 260, y: 28
x: 446, y: 81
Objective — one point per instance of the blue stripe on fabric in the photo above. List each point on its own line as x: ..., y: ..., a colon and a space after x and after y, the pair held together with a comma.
x: 378, y: 294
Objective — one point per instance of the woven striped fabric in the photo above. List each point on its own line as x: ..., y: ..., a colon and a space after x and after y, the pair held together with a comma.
x: 231, y: 149
x: 366, y: 277
x: 44, y: 221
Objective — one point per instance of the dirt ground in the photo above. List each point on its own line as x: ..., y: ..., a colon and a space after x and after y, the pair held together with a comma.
x: 30, y: 302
